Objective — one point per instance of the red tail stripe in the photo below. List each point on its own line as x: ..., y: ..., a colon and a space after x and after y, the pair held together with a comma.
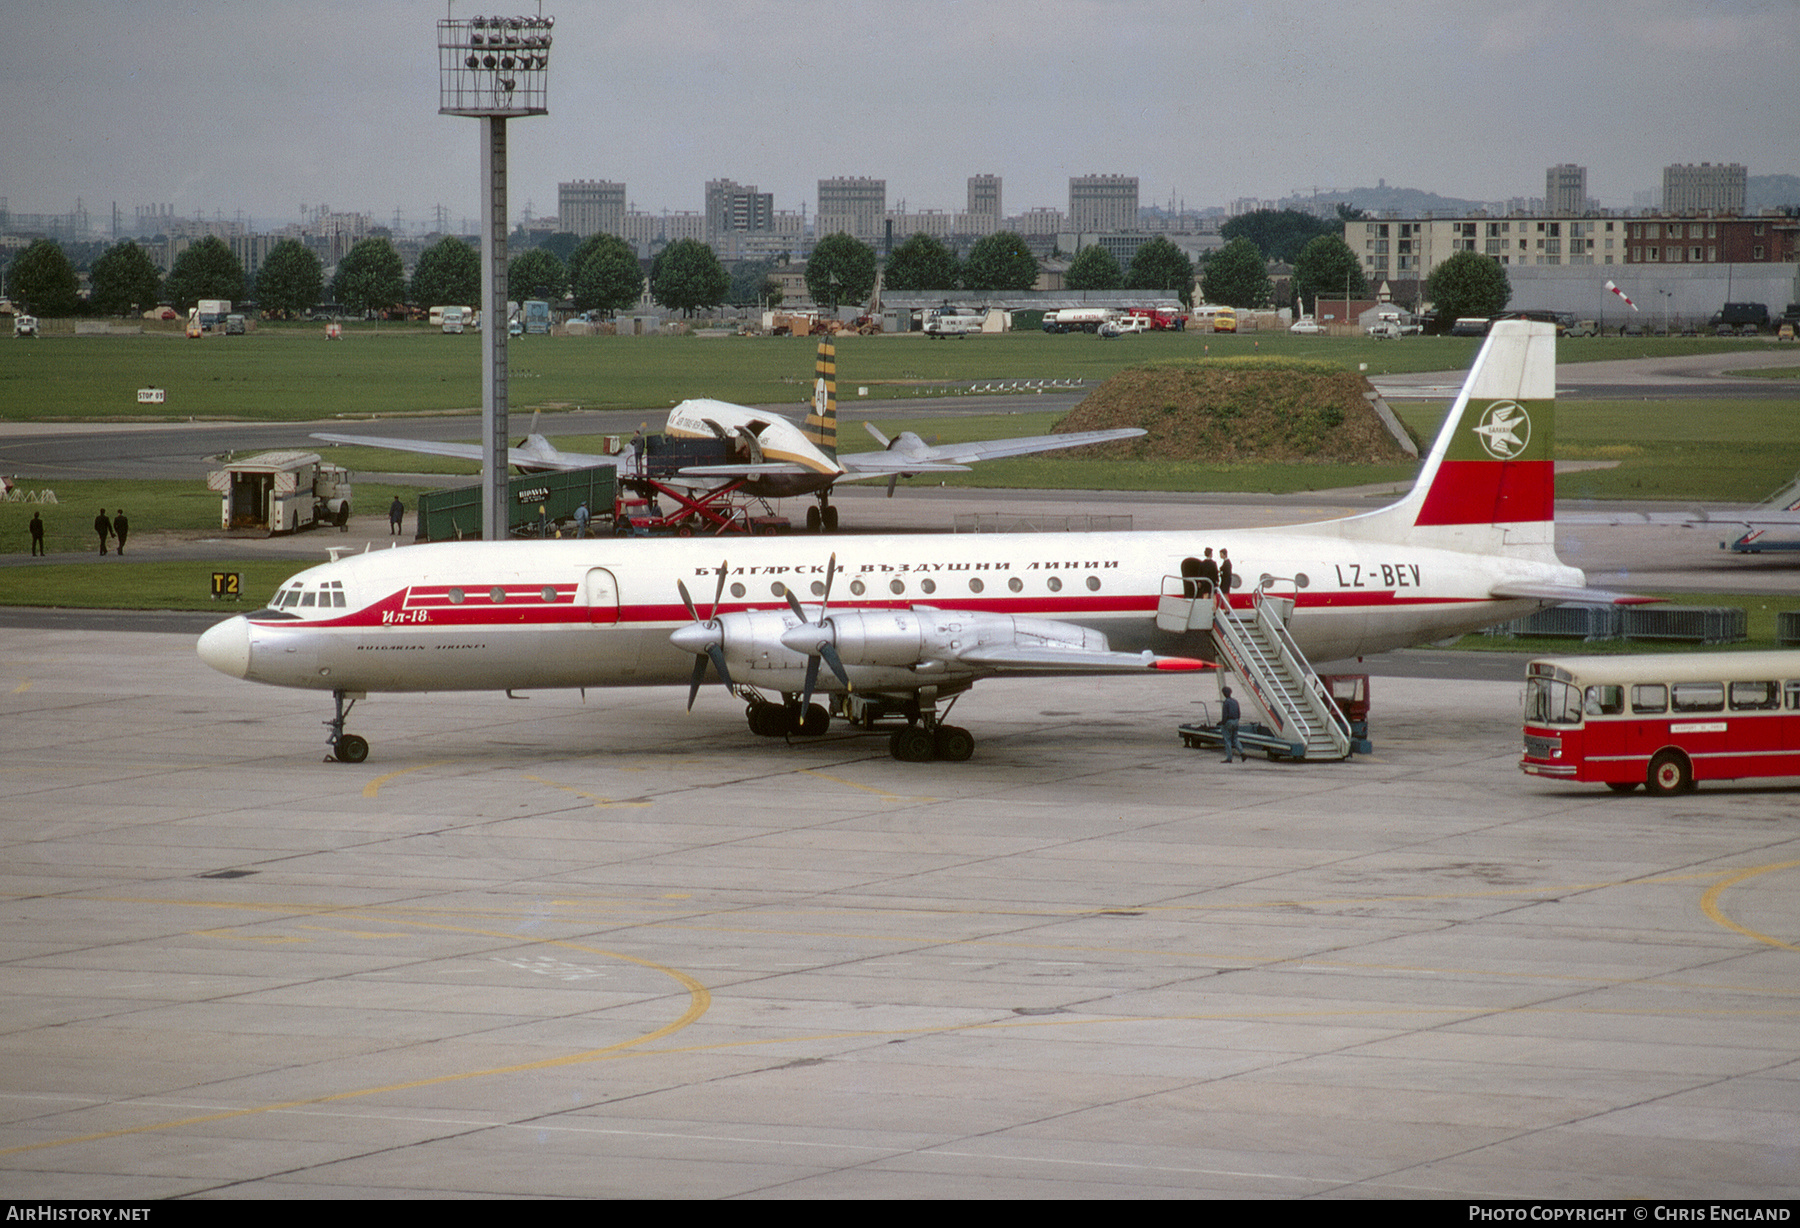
x: 1488, y: 492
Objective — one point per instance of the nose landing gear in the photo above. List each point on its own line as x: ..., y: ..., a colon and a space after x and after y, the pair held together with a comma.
x: 345, y: 747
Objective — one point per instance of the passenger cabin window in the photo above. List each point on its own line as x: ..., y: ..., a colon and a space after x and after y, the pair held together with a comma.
x: 1604, y: 701
x: 1699, y: 697
x: 1649, y: 697
x: 1754, y: 697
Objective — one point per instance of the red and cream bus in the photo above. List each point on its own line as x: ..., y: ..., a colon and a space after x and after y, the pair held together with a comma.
x: 1665, y: 722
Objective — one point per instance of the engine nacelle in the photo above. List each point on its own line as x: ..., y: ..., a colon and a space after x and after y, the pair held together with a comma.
x: 919, y: 635
x: 753, y: 640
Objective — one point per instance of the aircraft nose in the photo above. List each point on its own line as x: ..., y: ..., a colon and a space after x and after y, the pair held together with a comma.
x: 226, y: 647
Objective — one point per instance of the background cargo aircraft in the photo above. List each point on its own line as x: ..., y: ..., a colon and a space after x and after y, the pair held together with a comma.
x: 771, y: 456
x: 912, y: 621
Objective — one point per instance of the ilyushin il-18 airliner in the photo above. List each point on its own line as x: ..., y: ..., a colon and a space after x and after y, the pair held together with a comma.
x: 906, y: 623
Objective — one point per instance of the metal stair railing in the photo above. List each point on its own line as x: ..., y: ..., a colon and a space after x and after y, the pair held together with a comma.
x: 1260, y: 650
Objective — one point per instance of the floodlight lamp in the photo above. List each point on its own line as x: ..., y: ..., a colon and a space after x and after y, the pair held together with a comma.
x: 507, y: 84
x: 471, y: 62
x: 488, y: 61
x: 549, y: 22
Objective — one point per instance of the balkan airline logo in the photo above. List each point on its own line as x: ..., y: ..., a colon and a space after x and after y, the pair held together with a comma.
x: 821, y: 398
x: 1505, y: 429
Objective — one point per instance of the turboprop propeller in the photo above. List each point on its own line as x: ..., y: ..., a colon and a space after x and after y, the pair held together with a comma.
x: 705, y: 639
x: 814, y: 637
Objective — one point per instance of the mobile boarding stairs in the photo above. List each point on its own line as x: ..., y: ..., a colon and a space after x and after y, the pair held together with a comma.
x: 1252, y: 641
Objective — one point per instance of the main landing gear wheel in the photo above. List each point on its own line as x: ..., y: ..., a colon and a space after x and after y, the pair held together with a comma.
x: 917, y: 744
x: 352, y: 749
x: 829, y: 515
x: 911, y: 745
x: 811, y: 721
x: 953, y: 743
x: 767, y: 720
x: 1670, y: 773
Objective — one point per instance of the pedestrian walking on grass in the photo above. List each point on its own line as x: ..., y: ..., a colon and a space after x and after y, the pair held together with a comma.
x: 103, y: 527
x: 121, y: 527
x: 37, y: 533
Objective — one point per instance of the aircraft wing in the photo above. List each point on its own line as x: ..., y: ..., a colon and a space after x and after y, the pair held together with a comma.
x: 765, y: 469
x: 884, y: 464
x: 1017, y: 658
x: 1746, y: 518
x: 1575, y: 593
x: 522, y: 457
x: 909, y: 454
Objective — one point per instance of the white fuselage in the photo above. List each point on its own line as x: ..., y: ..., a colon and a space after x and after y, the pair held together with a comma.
x: 595, y: 613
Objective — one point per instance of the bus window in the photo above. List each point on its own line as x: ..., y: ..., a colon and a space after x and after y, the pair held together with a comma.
x: 1754, y: 697
x: 1649, y: 697
x: 1699, y: 696
x: 1605, y: 701
x: 1793, y: 696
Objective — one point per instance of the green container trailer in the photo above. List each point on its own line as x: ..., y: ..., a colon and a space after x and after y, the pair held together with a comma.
x: 539, y: 504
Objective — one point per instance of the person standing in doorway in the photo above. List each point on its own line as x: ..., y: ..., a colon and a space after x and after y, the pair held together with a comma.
x: 103, y: 527
x: 1209, y: 571
x: 1225, y: 575
x: 121, y: 527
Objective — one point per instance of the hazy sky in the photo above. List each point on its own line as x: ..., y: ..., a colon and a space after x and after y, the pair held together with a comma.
x: 253, y: 109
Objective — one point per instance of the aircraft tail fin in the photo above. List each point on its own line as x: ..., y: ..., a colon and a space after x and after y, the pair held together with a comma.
x: 1489, y: 482
x: 820, y: 428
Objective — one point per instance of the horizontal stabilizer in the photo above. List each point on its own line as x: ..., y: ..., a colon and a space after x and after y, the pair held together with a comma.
x: 1571, y: 594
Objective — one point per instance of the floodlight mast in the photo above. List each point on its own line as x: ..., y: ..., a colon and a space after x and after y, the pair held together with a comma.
x: 492, y: 69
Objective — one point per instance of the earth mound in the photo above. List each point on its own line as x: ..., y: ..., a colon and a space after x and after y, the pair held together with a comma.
x: 1224, y: 410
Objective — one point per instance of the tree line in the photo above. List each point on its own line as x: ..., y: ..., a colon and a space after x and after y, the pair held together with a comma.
x: 603, y: 274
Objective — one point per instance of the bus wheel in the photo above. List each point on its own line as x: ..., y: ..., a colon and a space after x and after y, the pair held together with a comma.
x: 1670, y: 773
x: 1621, y: 786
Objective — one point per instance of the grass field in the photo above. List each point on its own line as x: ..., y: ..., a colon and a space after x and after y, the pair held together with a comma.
x: 294, y: 374
x: 1692, y: 450
x: 186, y: 506
x: 124, y: 585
